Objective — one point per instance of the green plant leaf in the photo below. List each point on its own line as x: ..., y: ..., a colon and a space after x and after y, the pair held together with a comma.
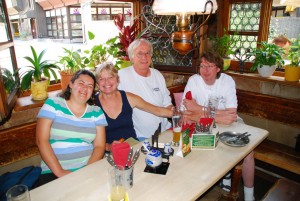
x: 91, y: 35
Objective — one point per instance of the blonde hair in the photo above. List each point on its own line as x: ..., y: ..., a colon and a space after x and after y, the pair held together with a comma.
x: 109, y: 67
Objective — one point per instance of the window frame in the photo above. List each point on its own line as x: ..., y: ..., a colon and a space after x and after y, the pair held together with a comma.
x: 262, y: 33
x: 7, y: 103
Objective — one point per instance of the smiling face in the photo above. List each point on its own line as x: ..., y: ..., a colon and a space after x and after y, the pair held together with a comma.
x: 82, y: 88
x: 208, y: 71
x: 107, y: 82
x: 142, y: 57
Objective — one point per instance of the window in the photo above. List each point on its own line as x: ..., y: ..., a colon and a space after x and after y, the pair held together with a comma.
x: 249, y: 20
x: 57, y: 23
x: 8, y: 65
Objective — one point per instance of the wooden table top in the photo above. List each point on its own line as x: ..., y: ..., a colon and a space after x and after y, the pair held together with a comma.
x: 186, y: 179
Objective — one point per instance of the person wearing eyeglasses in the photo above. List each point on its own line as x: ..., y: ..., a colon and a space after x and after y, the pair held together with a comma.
x: 149, y: 84
x: 118, y: 105
x: 212, y: 82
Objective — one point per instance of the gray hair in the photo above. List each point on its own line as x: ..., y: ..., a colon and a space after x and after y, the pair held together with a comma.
x: 135, y: 44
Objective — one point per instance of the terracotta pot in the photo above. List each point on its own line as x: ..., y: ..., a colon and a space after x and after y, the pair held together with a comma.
x: 39, y: 89
x: 266, y: 71
x: 292, y: 73
x: 65, y: 78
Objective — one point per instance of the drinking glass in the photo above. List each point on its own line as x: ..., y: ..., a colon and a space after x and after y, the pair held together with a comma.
x: 18, y: 193
x: 213, y: 102
x: 120, y: 180
x: 177, y: 125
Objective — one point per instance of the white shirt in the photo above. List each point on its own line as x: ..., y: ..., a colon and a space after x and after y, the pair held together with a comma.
x: 152, y: 89
x: 223, y: 88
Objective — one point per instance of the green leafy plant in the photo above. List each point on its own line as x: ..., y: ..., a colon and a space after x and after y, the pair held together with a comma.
x: 72, y: 61
x: 129, y: 33
x: 224, y: 45
x: 37, y: 69
x: 9, y: 80
x: 102, y: 52
x: 267, y: 54
x: 294, y: 52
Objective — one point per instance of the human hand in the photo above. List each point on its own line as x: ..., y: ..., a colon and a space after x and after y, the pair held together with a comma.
x: 62, y: 173
x: 225, y: 117
x: 191, y: 116
x: 190, y: 105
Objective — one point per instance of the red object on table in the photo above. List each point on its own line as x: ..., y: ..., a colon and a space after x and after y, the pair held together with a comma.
x: 120, y: 153
x: 192, y: 128
x: 188, y: 95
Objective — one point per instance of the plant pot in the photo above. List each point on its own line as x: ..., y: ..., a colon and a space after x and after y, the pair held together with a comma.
x: 266, y: 71
x: 65, y: 79
x: 39, y: 89
x: 227, y: 62
x: 292, y: 73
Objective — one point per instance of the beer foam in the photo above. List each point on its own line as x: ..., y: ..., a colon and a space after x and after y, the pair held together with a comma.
x: 177, y: 129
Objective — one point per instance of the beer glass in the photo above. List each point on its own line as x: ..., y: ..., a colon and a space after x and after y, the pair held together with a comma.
x: 177, y: 125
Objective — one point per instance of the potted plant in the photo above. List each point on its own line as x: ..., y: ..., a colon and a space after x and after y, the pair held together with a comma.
x: 292, y: 71
x: 33, y: 77
x: 267, y: 57
x: 223, y: 46
x: 72, y: 61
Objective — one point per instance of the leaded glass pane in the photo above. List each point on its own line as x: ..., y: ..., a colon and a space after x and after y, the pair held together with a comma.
x: 161, y: 28
x: 245, y: 17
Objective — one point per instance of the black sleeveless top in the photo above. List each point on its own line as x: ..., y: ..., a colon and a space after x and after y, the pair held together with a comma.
x: 122, y: 126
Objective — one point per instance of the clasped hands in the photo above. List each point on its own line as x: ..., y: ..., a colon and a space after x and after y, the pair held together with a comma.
x: 194, y: 112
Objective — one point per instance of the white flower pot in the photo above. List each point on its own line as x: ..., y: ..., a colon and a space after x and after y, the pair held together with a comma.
x: 266, y: 71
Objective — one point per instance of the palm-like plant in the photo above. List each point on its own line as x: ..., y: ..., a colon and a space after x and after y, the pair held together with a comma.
x: 37, y: 69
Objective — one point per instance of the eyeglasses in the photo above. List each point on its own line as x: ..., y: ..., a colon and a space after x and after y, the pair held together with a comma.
x: 108, y: 79
x: 209, y: 67
x: 142, y: 54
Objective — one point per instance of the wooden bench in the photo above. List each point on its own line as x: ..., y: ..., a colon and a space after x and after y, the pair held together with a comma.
x: 270, y: 152
x: 278, y: 155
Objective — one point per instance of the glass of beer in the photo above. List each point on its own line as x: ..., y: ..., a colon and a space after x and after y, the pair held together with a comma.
x: 177, y: 125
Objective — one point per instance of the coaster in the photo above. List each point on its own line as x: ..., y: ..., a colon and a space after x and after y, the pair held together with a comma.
x: 162, y: 169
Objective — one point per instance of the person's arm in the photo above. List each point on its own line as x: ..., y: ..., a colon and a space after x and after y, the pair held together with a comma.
x: 42, y: 140
x: 99, y: 145
x: 227, y: 116
x: 138, y: 102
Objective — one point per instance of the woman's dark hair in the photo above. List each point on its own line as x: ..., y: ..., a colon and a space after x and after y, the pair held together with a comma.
x: 67, y: 93
x: 214, y: 57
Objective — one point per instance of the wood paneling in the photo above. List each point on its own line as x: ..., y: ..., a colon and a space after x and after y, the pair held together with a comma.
x: 269, y: 107
x: 17, y: 143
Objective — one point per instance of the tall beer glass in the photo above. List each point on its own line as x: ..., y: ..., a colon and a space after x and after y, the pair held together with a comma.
x: 177, y: 125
